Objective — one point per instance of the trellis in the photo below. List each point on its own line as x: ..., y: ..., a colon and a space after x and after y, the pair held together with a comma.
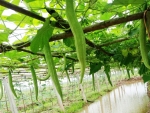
x: 71, y: 91
x: 68, y: 34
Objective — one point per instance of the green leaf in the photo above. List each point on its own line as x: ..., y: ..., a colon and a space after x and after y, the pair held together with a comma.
x: 125, y: 52
x: 106, y: 16
x: 143, y: 69
x: 2, y: 26
x: 81, y: 6
x: 3, y: 37
x: 16, y: 2
x: 127, y: 60
x: 37, y: 3
x: 69, y: 42
x: 42, y: 37
x: 94, y: 67
x: 92, y: 2
x: 127, y: 2
x: 2, y: 10
x: 133, y: 32
x: 15, y: 17
x: 146, y: 77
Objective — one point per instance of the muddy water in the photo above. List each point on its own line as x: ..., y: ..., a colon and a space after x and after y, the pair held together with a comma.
x: 124, y: 99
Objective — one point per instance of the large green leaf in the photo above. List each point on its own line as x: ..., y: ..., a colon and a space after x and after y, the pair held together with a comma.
x: 42, y: 37
x: 94, y: 67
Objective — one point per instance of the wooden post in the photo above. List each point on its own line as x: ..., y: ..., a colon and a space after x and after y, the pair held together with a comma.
x: 81, y: 89
x: 97, y: 81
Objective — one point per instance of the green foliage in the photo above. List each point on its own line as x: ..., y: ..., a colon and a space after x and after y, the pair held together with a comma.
x: 4, y: 37
x: 27, y: 1
x: 17, y: 28
x: 94, y: 67
x: 74, y: 107
x: 143, y: 69
x: 127, y: 60
x: 128, y: 2
x: 146, y: 77
x: 43, y: 35
x: 69, y: 42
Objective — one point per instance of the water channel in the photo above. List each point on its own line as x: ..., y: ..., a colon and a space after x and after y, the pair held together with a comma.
x: 130, y: 98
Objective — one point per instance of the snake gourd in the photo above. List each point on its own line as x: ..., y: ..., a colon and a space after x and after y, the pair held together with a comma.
x: 143, y: 48
x: 78, y: 34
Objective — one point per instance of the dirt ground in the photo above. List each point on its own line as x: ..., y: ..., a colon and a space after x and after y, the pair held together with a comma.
x: 129, y: 81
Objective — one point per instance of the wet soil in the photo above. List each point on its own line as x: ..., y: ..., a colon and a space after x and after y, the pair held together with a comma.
x: 129, y: 81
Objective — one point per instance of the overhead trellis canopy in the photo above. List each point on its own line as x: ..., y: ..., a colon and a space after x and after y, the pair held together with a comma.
x: 111, y: 31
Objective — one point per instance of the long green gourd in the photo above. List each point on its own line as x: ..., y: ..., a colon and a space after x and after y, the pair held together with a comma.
x: 34, y: 81
x: 51, y: 67
x: 11, y: 84
x: 78, y: 36
x: 1, y: 90
x: 44, y: 78
x: 65, y: 63
x: 142, y: 40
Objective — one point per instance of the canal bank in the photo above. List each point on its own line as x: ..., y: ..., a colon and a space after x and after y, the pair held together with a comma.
x: 129, y: 96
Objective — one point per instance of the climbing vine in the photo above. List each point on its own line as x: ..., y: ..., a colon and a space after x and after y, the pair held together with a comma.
x: 110, y: 30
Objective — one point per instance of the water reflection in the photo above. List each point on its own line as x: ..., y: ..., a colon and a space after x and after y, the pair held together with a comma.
x: 125, y: 99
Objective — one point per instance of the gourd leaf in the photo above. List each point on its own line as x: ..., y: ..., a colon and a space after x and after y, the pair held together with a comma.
x: 42, y: 37
x: 3, y: 37
x: 94, y: 67
x: 69, y: 42
x: 146, y: 77
x: 127, y: 60
x: 143, y: 69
